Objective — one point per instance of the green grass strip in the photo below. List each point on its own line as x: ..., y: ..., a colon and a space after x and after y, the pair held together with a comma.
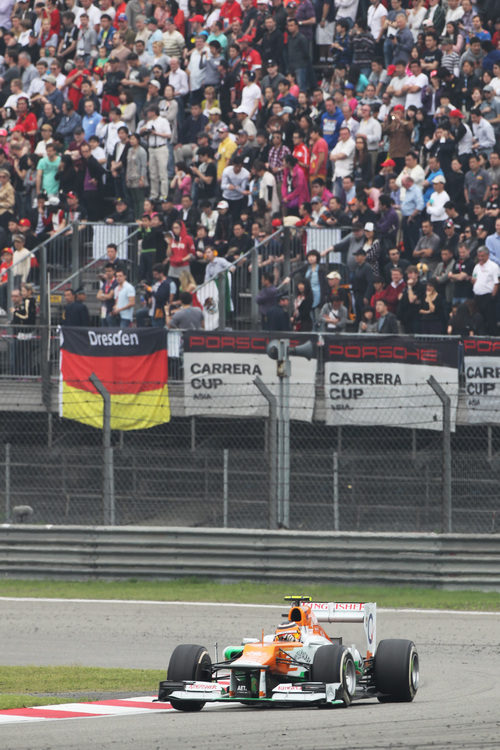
x: 42, y: 686
x: 74, y: 679
x: 247, y: 592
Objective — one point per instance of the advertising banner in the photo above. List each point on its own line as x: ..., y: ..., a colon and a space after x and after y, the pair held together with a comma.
x: 131, y: 364
x: 482, y: 381
x: 219, y: 369
x: 382, y: 380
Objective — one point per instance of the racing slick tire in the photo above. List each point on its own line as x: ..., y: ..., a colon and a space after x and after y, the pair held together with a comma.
x: 189, y: 662
x: 335, y: 664
x: 396, y: 670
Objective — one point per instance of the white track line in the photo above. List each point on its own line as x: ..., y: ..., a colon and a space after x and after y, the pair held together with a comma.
x: 402, y: 610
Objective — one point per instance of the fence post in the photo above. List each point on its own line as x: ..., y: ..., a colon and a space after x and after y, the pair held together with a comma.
x: 225, y: 488
x: 273, y: 418
x: 45, y: 330
x: 75, y: 253
x: 193, y: 434
x: 446, y: 524
x: 221, y: 286
x: 286, y: 253
x: 254, y: 288
x: 108, y: 471
x: 7, y: 482
x: 285, y: 384
x: 336, y: 520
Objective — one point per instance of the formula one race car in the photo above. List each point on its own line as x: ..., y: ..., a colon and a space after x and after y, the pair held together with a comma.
x: 299, y: 664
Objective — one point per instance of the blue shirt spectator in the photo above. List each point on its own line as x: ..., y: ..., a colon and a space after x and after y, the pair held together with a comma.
x: 331, y: 121
x: 413, y: 200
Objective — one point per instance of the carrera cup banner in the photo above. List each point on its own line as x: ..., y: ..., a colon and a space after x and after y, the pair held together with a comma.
x: 219, y: 369
x: 382, y: 380
x: 481, y: 403
x: 130, y: 363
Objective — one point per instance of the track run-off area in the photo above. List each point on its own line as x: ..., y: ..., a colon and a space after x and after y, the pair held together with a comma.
x: 457, y: 705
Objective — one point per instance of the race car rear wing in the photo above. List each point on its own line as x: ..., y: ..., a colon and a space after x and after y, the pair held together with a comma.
x: 365, y: 612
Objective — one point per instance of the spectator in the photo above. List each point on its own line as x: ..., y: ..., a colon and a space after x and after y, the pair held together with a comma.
x: 393, y: 292
x: 442, y: 274
x: 122, y: 312
x: 278, y: 316
x: 485, y: 277
x: 411, y: 301
x: 106, y: 294
x: 436, y: 203
x: 302, y: 307
x: 362, y: 283
x: 188, y: 317
x: 333, y: 315
x: 267, y: 298
x: 7, y: 198
x: 387, y: 322
x: 433, y: 310
x: 411, y: 207
x: 461, y: 276
x: 75, y: 313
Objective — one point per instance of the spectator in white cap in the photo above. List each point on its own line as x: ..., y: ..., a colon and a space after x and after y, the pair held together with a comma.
x: 245, y: 122
x: 436, y: 203
x: 216, y: 129
x: 342, y: 158
x: 372, y: 248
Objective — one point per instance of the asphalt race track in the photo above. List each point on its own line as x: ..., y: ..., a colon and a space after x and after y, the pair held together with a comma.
x: 457, y: 705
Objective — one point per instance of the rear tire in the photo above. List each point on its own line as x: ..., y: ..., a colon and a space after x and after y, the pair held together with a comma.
x: 189, y: 662
x: 335, y: 664
x: 396, y: 670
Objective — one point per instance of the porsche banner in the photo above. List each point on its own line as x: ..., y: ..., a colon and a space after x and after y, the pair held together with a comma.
x: 382, y: 380
x: 130, y: 363
x: 219, y: 369
x: 481, y: 403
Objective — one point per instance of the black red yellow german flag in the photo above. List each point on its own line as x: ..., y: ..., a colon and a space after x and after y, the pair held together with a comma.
x: 132, y: 365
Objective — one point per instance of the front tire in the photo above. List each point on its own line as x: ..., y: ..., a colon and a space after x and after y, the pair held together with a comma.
x: 335, y: 664
x: 396, y: 670
x: 189, y: 662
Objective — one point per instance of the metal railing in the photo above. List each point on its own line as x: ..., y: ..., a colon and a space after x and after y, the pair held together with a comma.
x: 92, y: 241
x: 231, y: 295
x: 457, y: 561
x: 74, y: 249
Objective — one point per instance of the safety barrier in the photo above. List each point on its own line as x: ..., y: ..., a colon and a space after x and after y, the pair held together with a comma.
x: 456, y: 561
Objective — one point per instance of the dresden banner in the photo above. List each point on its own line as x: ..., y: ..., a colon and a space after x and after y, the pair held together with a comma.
x: 219, y: 369
x: 131, y: 364
x: 481, y: 404
x: 382, y: 380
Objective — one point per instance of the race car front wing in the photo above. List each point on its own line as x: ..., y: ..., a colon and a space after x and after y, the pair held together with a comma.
x: 284, y: 693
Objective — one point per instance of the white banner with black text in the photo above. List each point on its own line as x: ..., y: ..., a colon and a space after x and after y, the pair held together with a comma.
x: 219, y: 370
x: 382, y: 380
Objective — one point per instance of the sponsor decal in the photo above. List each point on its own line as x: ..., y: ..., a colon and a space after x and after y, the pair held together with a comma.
x: 369, y: 629
x: 302, y: 655
x: 285, y: 688
x: 204, y: 686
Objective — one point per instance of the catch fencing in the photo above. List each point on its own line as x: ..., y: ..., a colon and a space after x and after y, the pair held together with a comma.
x: 219, y: 472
